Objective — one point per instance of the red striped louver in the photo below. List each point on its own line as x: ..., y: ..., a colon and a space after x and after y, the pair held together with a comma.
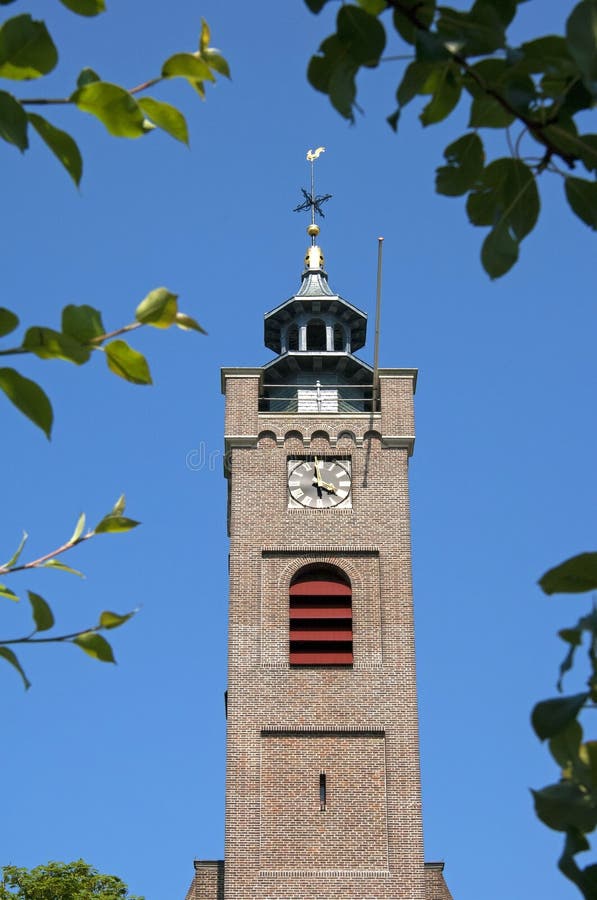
x: 320, y: 619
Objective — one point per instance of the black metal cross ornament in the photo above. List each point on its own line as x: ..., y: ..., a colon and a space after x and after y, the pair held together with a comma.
x: 311, y: 200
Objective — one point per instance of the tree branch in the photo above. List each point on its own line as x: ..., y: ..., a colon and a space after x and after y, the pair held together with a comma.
x: 61, y: 638
x: 536, y: 128
x: 35, y: 563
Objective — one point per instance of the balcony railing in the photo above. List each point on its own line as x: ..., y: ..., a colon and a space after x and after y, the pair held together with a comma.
x: 318, y: 398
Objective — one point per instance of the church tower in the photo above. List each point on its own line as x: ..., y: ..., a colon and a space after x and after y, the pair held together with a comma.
x: 322, y: 783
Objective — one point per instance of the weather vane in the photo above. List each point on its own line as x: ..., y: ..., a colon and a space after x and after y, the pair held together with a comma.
x: 312, y: 200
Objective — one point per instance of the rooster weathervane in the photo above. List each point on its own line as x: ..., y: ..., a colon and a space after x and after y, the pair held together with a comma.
x: 313, y: 201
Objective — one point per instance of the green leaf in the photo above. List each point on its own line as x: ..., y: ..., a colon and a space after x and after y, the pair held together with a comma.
x: 8, y: 594
x: 26, y: 49
x: 13, y: 121
x: 113, y: 106
x: 587, y: 150
x: 571, y: 636
x: 42, y: 614
x: 166, y: 117
x: 393, y: 119
x: 95, y: 646
x: 488, y: 113
x: 506, y: 9
x: 415, y: 80
x: 574, y: 576
x: 506, y: 194
x: 115, y: 524
x: 320, y: 68
x: 520, y: 93
x: 361, y: 34
x: 564, y: 805
x: 581, y: 35
x: 187, y: 323
x: 430, y: 47
x: 49, y: 344
x: 316, y: 5
x: 588, y: 754
x: 474, y: 33
x: 61, y: 144
x: 564, y: 746
x: 83, y: 323
x: 575, y: 843
x: 10, y: 657
x: 204, y: 36
x: 85, y: 7
x: 187, y: 65
x: 342, y: 89
x: 61, y: 567
x: 425, y: 11
x: 119, y: 506
x: 216, y: 61
x: 15, y: 557
x: 499, y: 251
x: 8, y: 321
x: 563, y: 137
x: 465, y: 158
x: 199, y: 87
x: 582, y: 198
x: 159, y: 308
x: 113, y: 620
x: 549, y: 53
x: 488, y: 73
x: 552, y: 716
x: 79, y: 529
x: 87, y: 76
x: 373, y: 7
x: 29, y: 398
x: 127, y: 363
x: 447, y: 88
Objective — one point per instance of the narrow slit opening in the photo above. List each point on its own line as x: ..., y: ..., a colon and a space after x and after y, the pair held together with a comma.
x: 322, y: 792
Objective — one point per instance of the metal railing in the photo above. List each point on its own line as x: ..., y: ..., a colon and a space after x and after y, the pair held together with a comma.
x: 318, y: 398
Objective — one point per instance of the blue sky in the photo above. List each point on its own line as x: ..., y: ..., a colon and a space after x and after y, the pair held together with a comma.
x: 124, y: 765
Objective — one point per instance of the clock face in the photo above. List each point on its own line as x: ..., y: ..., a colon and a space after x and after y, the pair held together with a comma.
x: 319, y: 483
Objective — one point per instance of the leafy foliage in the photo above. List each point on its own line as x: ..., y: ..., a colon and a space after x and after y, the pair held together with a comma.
x: 27, y: 52
x: 69, y: 881
x: 82, y: 333
x: 570, y: 804
x: 539, y: 88
x: 89, y: 639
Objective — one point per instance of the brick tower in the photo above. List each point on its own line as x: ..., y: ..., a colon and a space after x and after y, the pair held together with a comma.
x: 322, y: 783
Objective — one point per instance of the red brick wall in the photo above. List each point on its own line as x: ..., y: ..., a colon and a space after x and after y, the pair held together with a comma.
x: 285, y: 725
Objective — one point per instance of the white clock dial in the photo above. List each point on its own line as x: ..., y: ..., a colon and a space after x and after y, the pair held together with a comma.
x: 319, y: 483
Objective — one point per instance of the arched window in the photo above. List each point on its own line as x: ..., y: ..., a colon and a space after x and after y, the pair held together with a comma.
x: 320, y: 614
x: 292, y: 337
x: 316, y: 335
x: 338, y: 337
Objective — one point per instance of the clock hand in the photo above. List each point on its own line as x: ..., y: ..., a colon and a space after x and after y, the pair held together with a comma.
x: 318, y: 472
x: 320, y: 483
x: 329, y: 487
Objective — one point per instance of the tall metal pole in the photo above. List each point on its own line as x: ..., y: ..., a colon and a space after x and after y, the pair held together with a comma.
x: 377, y: 319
